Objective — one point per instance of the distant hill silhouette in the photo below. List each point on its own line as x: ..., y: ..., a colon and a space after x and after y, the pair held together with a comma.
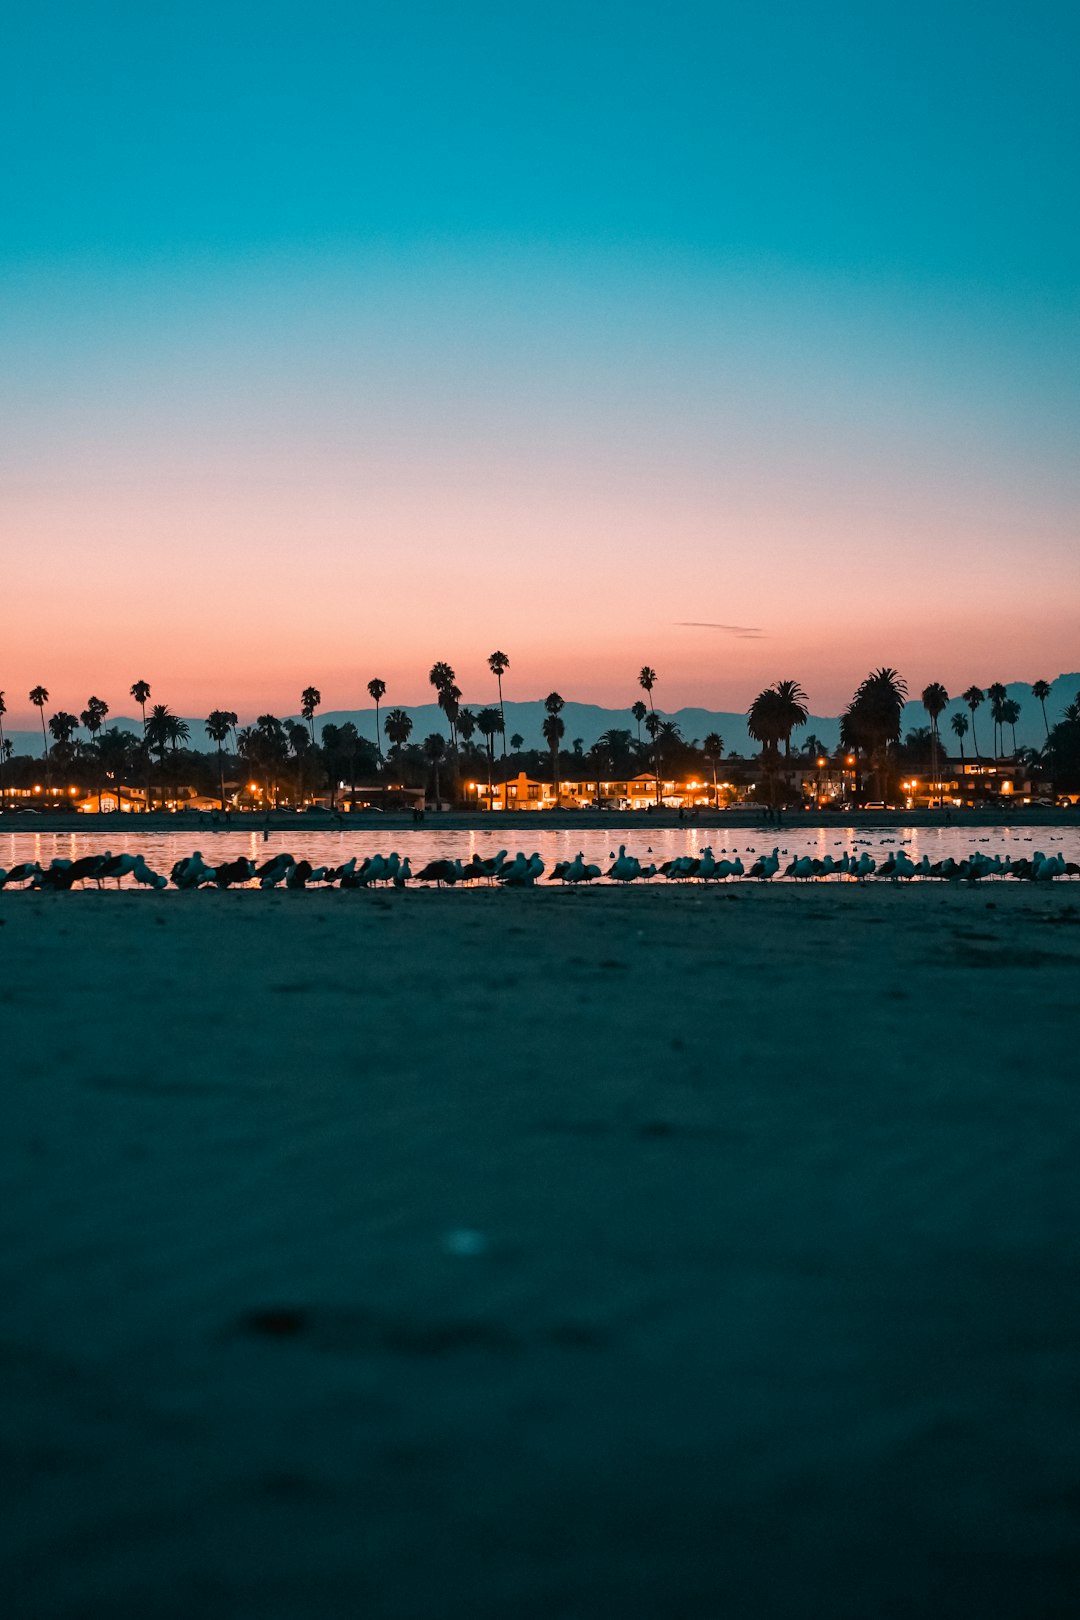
x: 589, y: 721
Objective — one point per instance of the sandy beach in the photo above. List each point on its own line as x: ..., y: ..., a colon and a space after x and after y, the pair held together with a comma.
x: 551, y: 1255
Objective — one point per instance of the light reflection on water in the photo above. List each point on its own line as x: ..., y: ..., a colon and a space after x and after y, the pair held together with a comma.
x: 597, y: 845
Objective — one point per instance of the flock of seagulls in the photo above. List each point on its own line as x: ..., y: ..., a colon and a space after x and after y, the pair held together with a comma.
x: 524, y: 871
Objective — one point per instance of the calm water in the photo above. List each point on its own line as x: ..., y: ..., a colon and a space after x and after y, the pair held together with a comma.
x: 161, y: 849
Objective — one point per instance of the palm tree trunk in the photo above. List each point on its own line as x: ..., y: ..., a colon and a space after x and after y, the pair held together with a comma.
x: 221, y: 776
x: 45, y: 740
x: 502, y: 712
x: 1046, y: 723
x: 974, y: 737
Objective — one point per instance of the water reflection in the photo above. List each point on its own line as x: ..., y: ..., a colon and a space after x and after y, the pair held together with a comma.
x: 598, y: 845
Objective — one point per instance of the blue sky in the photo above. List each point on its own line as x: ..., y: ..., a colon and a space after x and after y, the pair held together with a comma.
x: 781, y: 297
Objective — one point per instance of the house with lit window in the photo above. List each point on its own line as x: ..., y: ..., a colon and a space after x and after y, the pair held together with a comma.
x: 586, y: 792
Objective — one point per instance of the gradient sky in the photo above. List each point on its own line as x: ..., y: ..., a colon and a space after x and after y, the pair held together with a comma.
x: 338, y: 338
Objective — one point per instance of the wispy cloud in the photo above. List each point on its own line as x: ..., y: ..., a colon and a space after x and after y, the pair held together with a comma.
x: 742, y: 630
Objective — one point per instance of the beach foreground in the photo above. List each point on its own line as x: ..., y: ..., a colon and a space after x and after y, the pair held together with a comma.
x: 541, y: 1254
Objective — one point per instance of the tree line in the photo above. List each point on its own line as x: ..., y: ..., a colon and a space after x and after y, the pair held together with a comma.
x: 288, y: 762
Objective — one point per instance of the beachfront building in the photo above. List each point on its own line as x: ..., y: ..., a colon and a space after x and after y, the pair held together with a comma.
x: 582, y: 793
x: 975, y: 783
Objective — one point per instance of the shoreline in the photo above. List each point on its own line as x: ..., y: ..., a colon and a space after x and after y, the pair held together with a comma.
x: 548, y: 820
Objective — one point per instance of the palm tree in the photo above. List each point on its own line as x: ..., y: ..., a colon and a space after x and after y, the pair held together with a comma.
x: 554, y: 730
x: 99, y: 709
x: 466, y: 725
x: 39, y: 697
x: 998, y: 696
x: 517, y: 742
x: 377, y: 691
x: 639, y: 711
x: 498, y: 663
x: 1010, y: 714
x: 141, y: 693
x: 3, y: 752
x: 1041, y: 691
x: 302, y: 748
x: 159, y: 733
x: 219, y: 722
x: 872, y: 719
x: 935, y: 700
x: 434, y: 751
x: 795, y: 710
x: 441, y: 675
x: 91, y: 719
x: 973, y: 697
x: 310, y: 698
x: 398, y: 727
x: 63, y: 726
x: 959, y: 723
x: 647, y: 680
x: 449, y: 701
x: 489, y: 724
x: 349, y: 742
x: 766, y: 722
x: 713, y: 749
x: 273, y: 748
x: 331, y: 754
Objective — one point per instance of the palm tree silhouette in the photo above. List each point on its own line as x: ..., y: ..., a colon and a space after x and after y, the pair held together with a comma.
x: 434, y: 752
x: 498, y: 663
x: 639, y: 711
x: 442, y: 678
x: 973, y: 697
x: 91, y: 719
x: 441, y: 675
x: 647, y: 680
x: 959, y: 723
x: 872, y: 719
x: 466, y: 725
x: 163, y: 728
x: 554, y: 730
x: 3, y: 753
x: 489, y: 724
x: 517, y: 742
x: 795, y: 710
x: 935, y: 700
x: 39, y: 697
x: 63, y: 727
x: 219, y: 722
x: 141, y: 693
x: 310, y: 699
x: 1040, y: 691
x: 767, y: 723
x: 398, y: 727
x: 376, y: 692
x: 1010, y: 714
x: 713, y: 749
x: 998, y: 696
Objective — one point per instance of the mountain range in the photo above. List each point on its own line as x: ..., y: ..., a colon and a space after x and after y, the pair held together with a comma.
x: 589, y: 721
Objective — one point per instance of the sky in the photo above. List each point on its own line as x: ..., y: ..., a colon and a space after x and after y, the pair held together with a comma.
x: 335, y: 339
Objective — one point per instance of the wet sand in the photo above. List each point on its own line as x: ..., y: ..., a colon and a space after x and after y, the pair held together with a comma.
x: 657, y: 1253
